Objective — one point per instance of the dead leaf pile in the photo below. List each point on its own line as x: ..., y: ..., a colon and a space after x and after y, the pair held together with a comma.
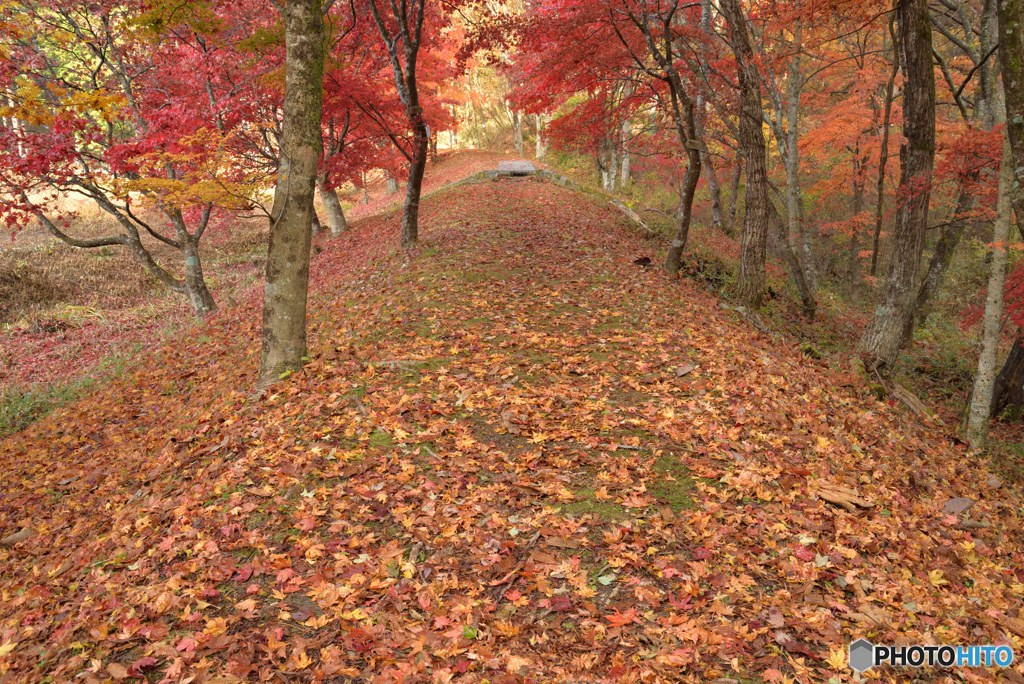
x: 579, y: 471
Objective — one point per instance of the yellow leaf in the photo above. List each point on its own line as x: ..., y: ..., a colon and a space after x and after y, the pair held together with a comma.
x: 837, y: 658
x: 216, y: 626
x: 246, y: 605
x: 936, y: 578
x: 7, y: 648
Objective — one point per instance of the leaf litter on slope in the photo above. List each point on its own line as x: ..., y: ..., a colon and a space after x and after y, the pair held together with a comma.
x: 408, y: 506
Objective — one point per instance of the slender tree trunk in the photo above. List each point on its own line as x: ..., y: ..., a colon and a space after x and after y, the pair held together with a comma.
x: 940, y: 260
x: 684, y: 213
x: 750, y: 281
x: 517, y: 132
x: 880, y: 343
x: 287, y: 271
x: 624, y: 167
x: 476, y: 126
x: 734, y: 194
x: 541, y: 148
x: 794, y: 197
x: 981, y: 399
x: 858, y: 207
x: 708, y: 168
x: 414, y: 188
x: 332, y: 206
x: 390, y: 186
x: 195, y: 284
x: 884, y: 150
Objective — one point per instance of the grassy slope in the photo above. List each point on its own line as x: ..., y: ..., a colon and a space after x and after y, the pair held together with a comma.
x: 495, y: 467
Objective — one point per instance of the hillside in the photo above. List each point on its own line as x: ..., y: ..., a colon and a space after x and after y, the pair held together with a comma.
x: 513, y: 456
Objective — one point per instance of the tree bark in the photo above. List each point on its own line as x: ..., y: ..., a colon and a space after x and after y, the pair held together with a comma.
x: 624, y: 167
x: 390, y: 186
x: 734, y: 195
x: 1008, y: 391
x: 940, y: 260
x: 794, y: 197
x: 858, y: 207
x: 541, y: 148
x: 517, y: 132
x: 750, y: 281
x: 883, y: 157
x: 684, y: 213
x: 332, y: 206
x: 287, y: 272
x: 981, y: 399
x: 880, y: 343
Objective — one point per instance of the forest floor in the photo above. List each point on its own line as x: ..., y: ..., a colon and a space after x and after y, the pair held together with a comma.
x: 514, y: 456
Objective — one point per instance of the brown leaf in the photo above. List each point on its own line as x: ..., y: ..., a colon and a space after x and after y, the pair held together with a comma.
x: 684, y: 370
x: 562, y: 543
x: 265, y: 492
x: 541, y: 557
x: 117, y: 671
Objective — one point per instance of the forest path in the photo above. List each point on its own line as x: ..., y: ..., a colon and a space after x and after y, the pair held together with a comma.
x: 513, y: 455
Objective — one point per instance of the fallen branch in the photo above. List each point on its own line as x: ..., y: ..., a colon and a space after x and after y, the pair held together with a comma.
x: 842, y: 496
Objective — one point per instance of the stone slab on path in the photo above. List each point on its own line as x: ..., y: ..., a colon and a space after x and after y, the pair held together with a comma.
x: 516, y: 168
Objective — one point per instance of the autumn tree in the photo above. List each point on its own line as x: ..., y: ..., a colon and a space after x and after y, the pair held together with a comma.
x: 880, y: 342
x: 750, y: 283
x: 291, y: 217
x: 400, y: 25
x: 123, y: 106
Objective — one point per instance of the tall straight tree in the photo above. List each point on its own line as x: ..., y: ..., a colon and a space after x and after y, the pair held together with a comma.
x: 754, y: 238
x: 880, y: 343
x: 291, y: 218
x: 402, y: 32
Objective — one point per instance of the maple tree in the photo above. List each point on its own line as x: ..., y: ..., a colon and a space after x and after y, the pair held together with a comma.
x: 138, y: 124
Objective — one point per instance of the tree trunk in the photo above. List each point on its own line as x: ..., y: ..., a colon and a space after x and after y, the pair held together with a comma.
x: 1011, y: 64
x: 287, y: 271
x: 880, y: 343
x: 517, y: 132
x: 332, y: 206
x: 981, y: 399
x: 624, y: 168
x: 684, y: 213
x: 390, y: 186
x: 794, y: 196
x: 542, y: 147
x: 858, y: 207
x: 1008, y: 392
x: 884, y: 150
x: 734, y: 195
x: 944, y: 250
x: 414, y: 188
x: 195, y: 284
x: 753, y: 241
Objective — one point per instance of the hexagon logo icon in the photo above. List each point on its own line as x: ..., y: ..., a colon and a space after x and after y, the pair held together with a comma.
x: 862, y: 655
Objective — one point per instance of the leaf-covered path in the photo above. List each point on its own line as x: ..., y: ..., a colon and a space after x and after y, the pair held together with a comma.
x: 514, y: 456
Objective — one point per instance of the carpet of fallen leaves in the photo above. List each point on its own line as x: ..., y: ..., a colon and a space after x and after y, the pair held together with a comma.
x: 514, y: 456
